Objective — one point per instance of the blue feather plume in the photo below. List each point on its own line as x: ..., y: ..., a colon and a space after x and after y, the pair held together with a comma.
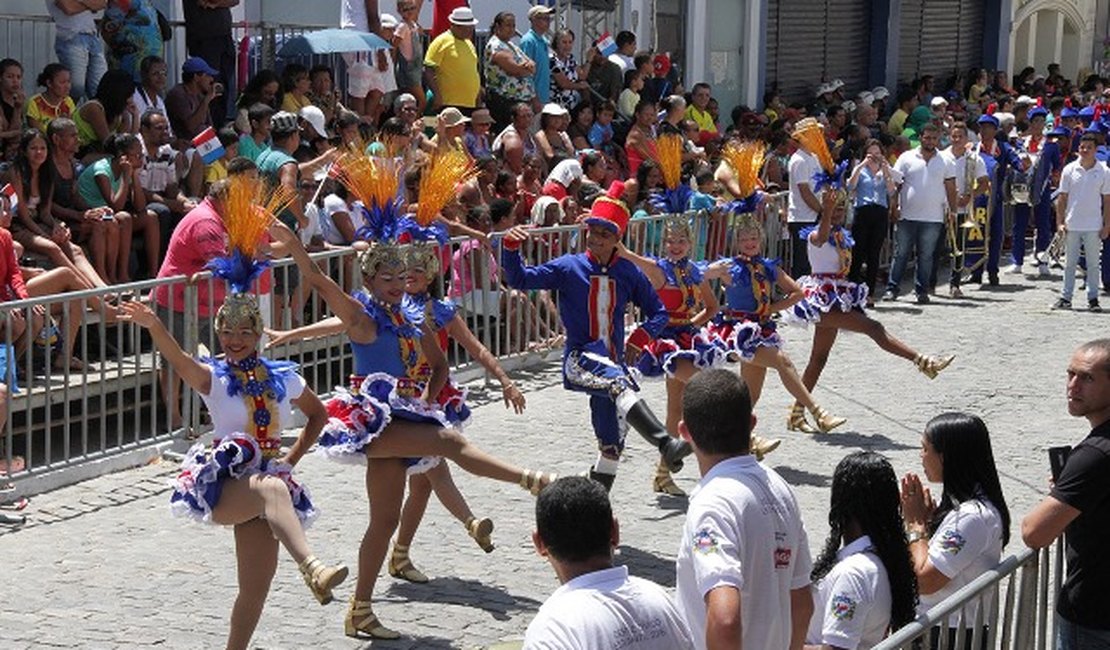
x: 237, y: 269
x: 833, y: 181
x: 436, y: 231
x: 672, y: 201
x: 745, y: 205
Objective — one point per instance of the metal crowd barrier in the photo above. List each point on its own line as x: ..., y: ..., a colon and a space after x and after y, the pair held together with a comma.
x: 1020, y: 583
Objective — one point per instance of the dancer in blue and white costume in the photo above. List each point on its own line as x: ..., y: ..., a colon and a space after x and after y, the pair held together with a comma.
x: 834, y: 303
x: 391, y: 415
x: 746, y: 325
x: 685, y: 345
x: 245, y: 479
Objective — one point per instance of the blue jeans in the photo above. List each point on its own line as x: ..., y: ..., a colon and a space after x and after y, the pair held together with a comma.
x: 83, y: 54
x: 922, y: 237
x: 1092, y: 251
x: 1070, y: 636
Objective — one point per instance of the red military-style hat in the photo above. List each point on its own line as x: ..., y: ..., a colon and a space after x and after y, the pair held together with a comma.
x: 610, y: 210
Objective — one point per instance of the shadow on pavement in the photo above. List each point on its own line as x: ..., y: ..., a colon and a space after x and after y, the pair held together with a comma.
x: 647, y: 565
x: 411, y: 643
x: 468, y: 593
x: 872, y: 442
x: 796, y: 477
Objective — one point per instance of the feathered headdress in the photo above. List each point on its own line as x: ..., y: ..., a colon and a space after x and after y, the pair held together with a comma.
x: 675, y: 196
x: 746, y: 161
x: 249, y: 211
x: 445, y: 170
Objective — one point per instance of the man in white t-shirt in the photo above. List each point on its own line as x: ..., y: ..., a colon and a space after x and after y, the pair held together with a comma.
x: 1083, y: 212
x: 960, y: 154
x: 926, y: 199
x: 743, y: 562
x: 804, y: 207
x: 598, y: 605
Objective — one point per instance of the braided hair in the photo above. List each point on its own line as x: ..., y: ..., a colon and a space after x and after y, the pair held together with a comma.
x: 865, y: 491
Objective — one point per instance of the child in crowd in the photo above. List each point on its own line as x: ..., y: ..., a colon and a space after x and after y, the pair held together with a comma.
x: 217, y: 171
x: 630, y: 96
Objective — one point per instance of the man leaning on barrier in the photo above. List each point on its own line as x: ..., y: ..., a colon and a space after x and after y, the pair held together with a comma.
x: 1079, y: 504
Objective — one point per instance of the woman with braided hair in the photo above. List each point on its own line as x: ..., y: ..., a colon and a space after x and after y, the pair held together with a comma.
x: 864, y: 583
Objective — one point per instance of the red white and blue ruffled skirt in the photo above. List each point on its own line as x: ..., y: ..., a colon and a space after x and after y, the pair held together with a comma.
x: 197, y: 488
x: 697, y: 345
x: 825, y: 293
x: 356, y: 417
x: 743, y: 334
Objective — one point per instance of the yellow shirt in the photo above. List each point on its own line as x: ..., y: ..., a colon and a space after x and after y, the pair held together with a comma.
x: 293, y: 105
x: 217, y: 171
x: 703, y: 119
x: 42, y: 111
x: 456, y: 69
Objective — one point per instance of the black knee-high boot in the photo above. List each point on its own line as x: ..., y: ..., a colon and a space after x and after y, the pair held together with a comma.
x: 673, y: 450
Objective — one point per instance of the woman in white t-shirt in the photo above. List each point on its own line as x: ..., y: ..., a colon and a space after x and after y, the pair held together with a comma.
x: 955, y: 540
x: 864, y: 584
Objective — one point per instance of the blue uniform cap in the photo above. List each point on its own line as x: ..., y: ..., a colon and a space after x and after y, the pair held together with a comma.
x: 1059, y: 132
x: 989, y: 119
x: 1068, y: 112
x: 1038, y: 111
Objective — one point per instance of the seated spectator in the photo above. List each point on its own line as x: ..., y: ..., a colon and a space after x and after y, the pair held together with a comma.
x: 167, y: 179
x: 315, y: 139
x: 673, y: 109
x: 54, y: 100
x: 217, y: 171
x: 110, y: 112
x: 606, y: 79
x: 322, y: 91
x: 477, y: 137
x: 35, y: 227
x: 78, y: 45
x: 131, y: 32
x: 12, y: 102
x: 187, y: 103
x: 450, y: 127
x: 263, y: 88
x: 153, y: 73
x: 564, y: 180
x: 508, y: 71
x: 312, y: 235
x: 339, y: 220
x: 516, y: 141
x: 640, y: 143
x: 581, y: 121
x: 479, y: 190
x: 97, y: 230
x: 295, y: 85
x: 395, y: 138
x: 348, y: 128
x: 630, y: 95
x: 658, y: 83
x: 864, y: 568
x: 595, y: 177
x: 114, y: 182
x: 530, y: 183
x: 699, y: 111
x: 257, y: 138
x: 552, y: 139
x: 956, y: 539
x: 598, y: 605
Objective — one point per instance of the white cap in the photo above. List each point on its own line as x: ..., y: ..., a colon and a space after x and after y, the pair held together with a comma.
x: 389, y: 21
x: 836, y: 84
x: 315, y: 117
x: 1024, y: 100
x: 552, y: 108
x: 1003, y: 117
x: 540, y: 10
x: 880, y: 92
x: 938, y: 101
x: 849, y: 106
x: 865, y: 97
x: 823, y: 88
x: 462, y: 16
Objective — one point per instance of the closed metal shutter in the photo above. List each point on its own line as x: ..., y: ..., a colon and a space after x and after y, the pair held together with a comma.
x: 939, y: 38
x: 809, y: 43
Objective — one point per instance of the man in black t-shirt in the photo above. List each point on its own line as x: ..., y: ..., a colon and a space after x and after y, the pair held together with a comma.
x: 1079, y: 504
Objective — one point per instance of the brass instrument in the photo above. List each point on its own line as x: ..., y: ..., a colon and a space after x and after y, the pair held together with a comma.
x: 976, y: 227
x: 1056, y: 248
x: 970, y: 185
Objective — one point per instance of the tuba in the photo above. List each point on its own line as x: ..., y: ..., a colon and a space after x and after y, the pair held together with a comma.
x: 976, y: 227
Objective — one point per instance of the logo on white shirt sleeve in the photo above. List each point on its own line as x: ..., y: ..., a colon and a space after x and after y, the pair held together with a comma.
x: 842, y: 607
x: 951, y: 541
x: 705, y: 541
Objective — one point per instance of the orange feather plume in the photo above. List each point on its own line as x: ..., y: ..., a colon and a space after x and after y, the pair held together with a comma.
x: 669, y: 156
x: 369, y: 179
x: 812, y: 136
x: 250, y: 210
x: 746, y: 161
x: 444, y: 171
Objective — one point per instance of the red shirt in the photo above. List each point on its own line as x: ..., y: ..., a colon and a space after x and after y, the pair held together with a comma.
x: 443, y: 9
x: 199, y: 237
x: 11, y: 278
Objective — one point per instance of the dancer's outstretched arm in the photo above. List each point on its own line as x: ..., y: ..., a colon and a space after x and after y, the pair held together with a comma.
x: 330, y: 326
x: 193, y: 372
x: 348, y: 309
x: 458, y: 330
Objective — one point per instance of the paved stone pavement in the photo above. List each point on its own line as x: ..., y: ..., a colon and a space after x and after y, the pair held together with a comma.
x: 102, y: 565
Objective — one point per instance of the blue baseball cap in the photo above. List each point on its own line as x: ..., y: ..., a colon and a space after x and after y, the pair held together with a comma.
x: 989, y: 119
x: 197, y: 65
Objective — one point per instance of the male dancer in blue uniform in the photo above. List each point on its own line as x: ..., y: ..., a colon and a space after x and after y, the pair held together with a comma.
x: 594, y: 289
x: 998, y: 155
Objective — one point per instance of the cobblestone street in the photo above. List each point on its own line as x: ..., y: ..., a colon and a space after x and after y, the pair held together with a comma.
x: 103, y: 565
